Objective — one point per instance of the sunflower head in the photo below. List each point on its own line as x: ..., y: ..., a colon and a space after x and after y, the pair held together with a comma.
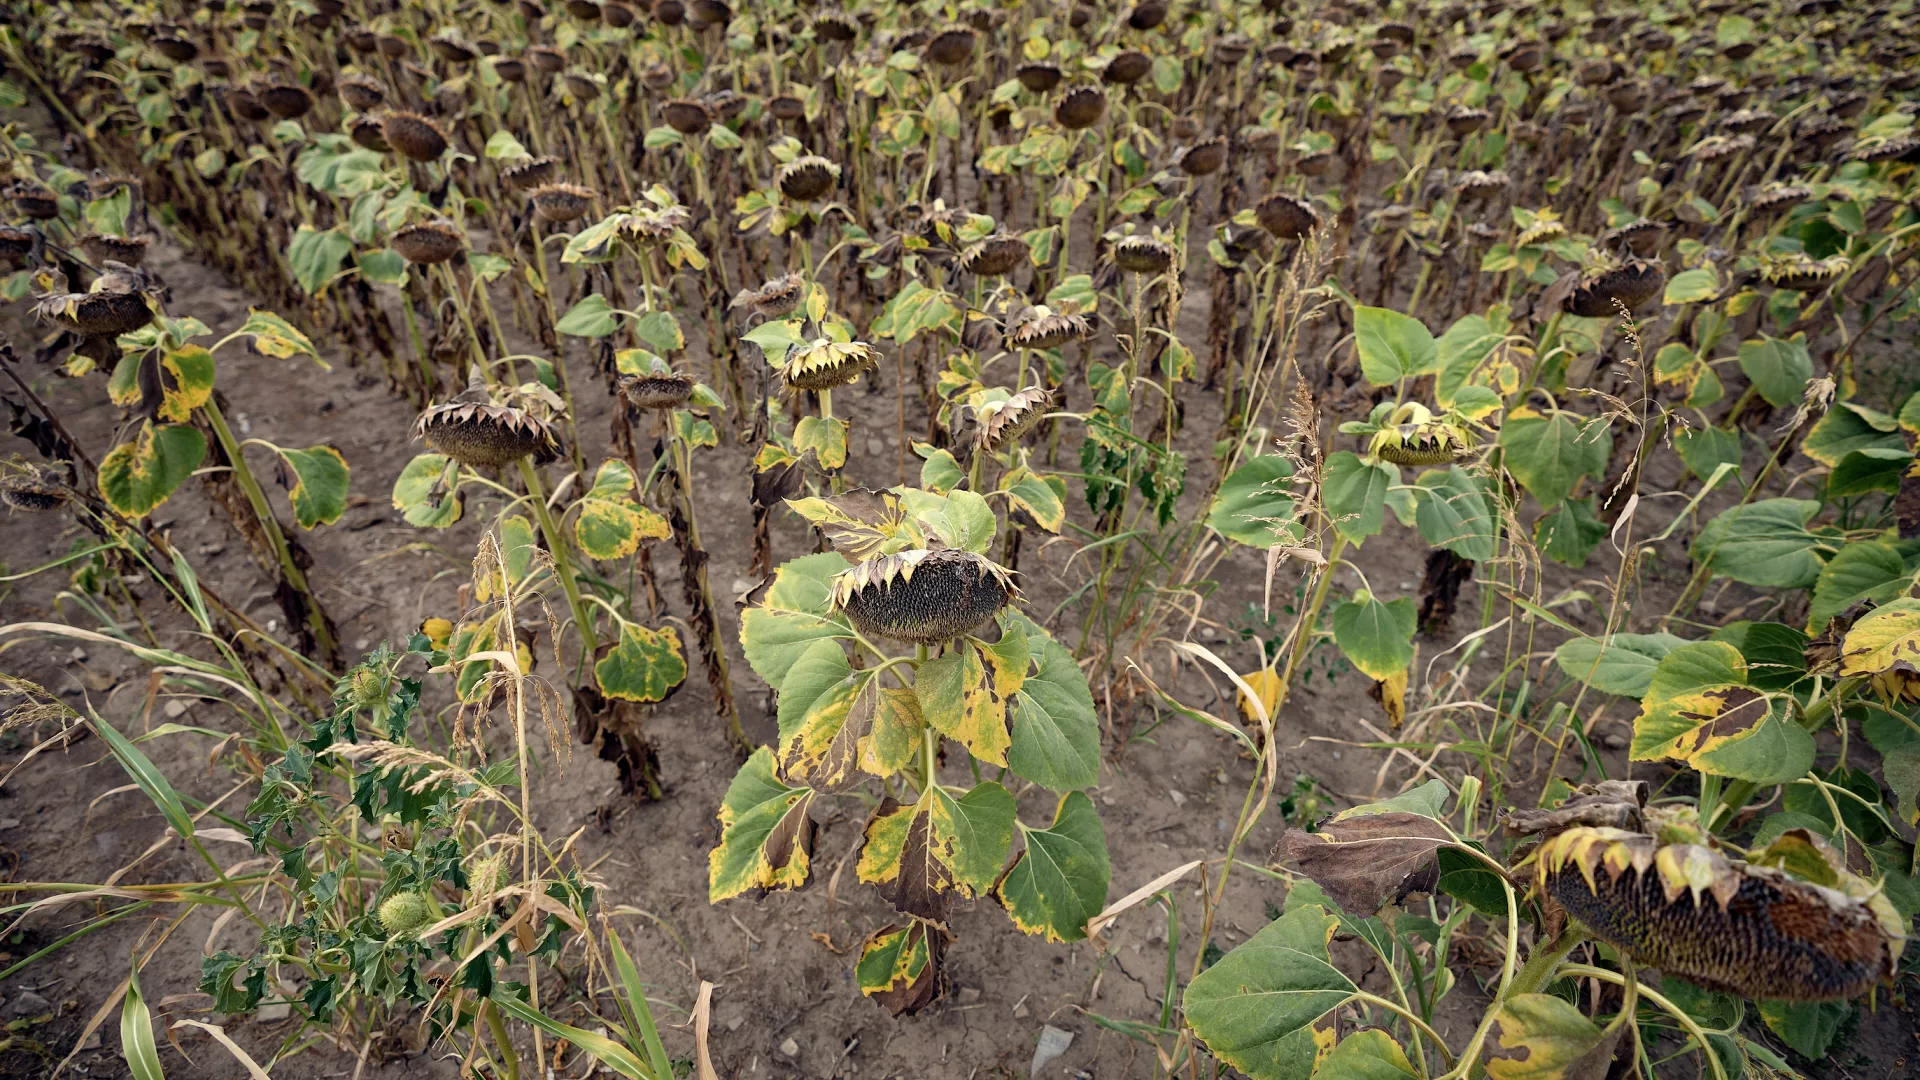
x: 1043, y: 328
x: 482, y: 430
x: 923, y: 596
x: 807, y: 178
x: 825, y: 364
x: 1412, y: 435
x: 1001, y: 421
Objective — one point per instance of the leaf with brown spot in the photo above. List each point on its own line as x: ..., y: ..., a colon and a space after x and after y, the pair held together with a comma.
x: 1366, y: 862
x: 900, y: 968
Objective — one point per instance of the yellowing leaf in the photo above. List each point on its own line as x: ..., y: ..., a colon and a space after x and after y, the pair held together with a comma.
x: 643, y: 666
x: 766, y: 839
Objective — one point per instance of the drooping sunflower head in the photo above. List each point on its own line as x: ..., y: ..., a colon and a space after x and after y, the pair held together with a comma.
x: 773, y: 299
x: 1138, y: 254
x: 658, y: 387
x: 1000, y: 423
x: 826, y: 364
x: 923, y: 596
x: 1748, y: 928
x: 31, y: 490
x: 992, y: 256
x: 559, y: 203
x: 478, y: 429
x: 807, y: 178
x: 1412, y: 435
x: 1609, y: 285
x: 1042, y: 328
x: 1287, y: 217
x: 428, y: 242
x: 1801, y: 272
x: 414, y: 136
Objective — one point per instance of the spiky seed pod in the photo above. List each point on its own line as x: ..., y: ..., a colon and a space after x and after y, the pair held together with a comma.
x: 1287, y: 217
x: 474, y: 431
x: 1000, y: 424
x: 1080, y: 107
x: 106, y: 313
x: 362, y: 93
x: 824, y: 365
x: 688, y: 116
x: 428, y: 242
x: 1725, y: 925
x: 403, y: 913
x: 774, y: 299
x: 923, y: 597
x: 835, y: 26
x: 1147, y: 14
x: 995, y: 255
x: 1631, y: 284
x: 511, y: 69
x: 557, y: 203
x: 450, y: 48
x: 1720, y: 148
x: 177, y: 49
x: 1463, y: 120
x: 286, y: 101
x: 951, y: 48
x: 1641, y: 237
x: 1048, y: 331
x: 531, y: 173
x: 1800, y: 272
x: 1127, y: 68
x: 1039, y: 77
x: 1481, y: 184
x: 99, y: 248
x: 805, y: 179
x: 489, y: 874
x: 32, y: 493
x: 1544, y: 230
x: 1415, y: 437
x: 1206, y: 157
x: 414, y: 136
x: 1143, y: 255
x: 657, y: 390
x: 547, y: 58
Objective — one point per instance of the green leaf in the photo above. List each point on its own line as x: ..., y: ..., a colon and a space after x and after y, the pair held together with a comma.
x: 1255, y: 505
x: 825, y: 436
x: 1622, y: 664
x: 1809, y: 1027
x: 1691, y: 287
x: 138, y: 475
x: 1704, y: 449
x: 276, y: 337
x: 1863, y: 570
x: 941, y: 473
x: 1776, y: 654
x: 1167, y: 73
x: 136, y: 1033
x: 1549, y: 454
x: 1847, y: 427
x: 1453, y: 514
x: 1370, y: 1054
x: 1901, y: 767
x: 1568, y: 533
x: 823, y: 749
x: 1462, y: 349
x: 315, y: 257
x: 383, y: 266
x: 1256, y: 1007
x: 1393, y: 346
x: 518, y: 543
x: 1056, y: 733
x: 1377, y: 637
x: 659, y: 331
x: 643, y: 665
x: 1764, y: 543
x: 319, y: 491
x: 594, y: 1045
x: 974, y: 833
x: 1778, y: 369
x: 793, y: 617
x: 613, y: 528
x: 1356, y: 494
x: 592, y: 317
x: 766, y: 838
x: 413, y: 493
x: 1556, y: 1041
x: 1060, y: 880
x: 152, y: 782
x: 502, y: 146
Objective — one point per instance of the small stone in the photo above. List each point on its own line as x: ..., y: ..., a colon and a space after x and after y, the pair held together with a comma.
x: 968, y: 995
x: 9, y: 822
x: 211, y: 550
x: 361, y: 643
x: 246, y: 425
x: 1613, y: 740
x: 27, y: 1003
x: 98, y: 681
x: 1208, y: 633
x: 175, y: 709
x: 278, y: 1010
x: 1053, y: 1043
x: 790, y: 1048
x: 1020, y: 1011
x: 742, y: 586
x: 733, y: 1024
x: 92, y: 1042
x: 1179, y: 798
x: 78, y: 655
x: 875, y: 447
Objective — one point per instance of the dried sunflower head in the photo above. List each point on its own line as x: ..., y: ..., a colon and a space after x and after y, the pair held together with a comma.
x: 428, y: 242
x: 362, y: 93
x: 826, y: 364
x: 688, y: 116
x: 1801, y: 272
x: 1043, y: 328
x: 561, y: 202
x: 992, y: 256
x: 805, y: 179
x: 1127, y: 68
x: 478, y: 430
x: 1138, y: 254
x: 1745, y: 928
x: 1482, y: 184
x: 531, y: 173
x: 1412, y: 435
x: 951, y: 48
x: 1629, y: 283
x: 285, y: 100
x: 923, y: 596
x: 368, y: 133
x: 1205, y: 157
x: 1080, y: 107
x: 31, y: 491
x: 1893, y: 148
x: 660, y: 387
x: 998, y: 424
x: 414, y: 136
x: 116, y: 303
x: 1464, y: 120
x: 1777, y: 197
x: 1038, y: 77
x: 1287, y: 217
x: 100, y: 248
x: 655, y: 223
x: 1640, y: 236
x: 1545, y: 228
x: 774, y: 299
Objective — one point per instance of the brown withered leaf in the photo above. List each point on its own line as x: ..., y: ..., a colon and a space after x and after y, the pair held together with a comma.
x: 1364, y: 863
x: 1611, y: 803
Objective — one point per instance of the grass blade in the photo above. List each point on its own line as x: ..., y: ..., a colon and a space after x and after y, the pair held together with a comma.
x: 599, y: 1047
x: 136, y: 1034
x: 144, y: 773
x: 637, y: 1004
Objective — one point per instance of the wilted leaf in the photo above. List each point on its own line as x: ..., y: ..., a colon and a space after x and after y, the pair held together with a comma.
x: 1557, y: 1041
x: 138, y: 475
x: 414, y: 493
x: 319, y: 491
x: 1364, y: 863
x: 900, y: 967
x: 766, y: 839
x: 644, y: 665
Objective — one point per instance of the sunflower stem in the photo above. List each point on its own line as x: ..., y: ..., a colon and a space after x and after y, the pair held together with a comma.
x: 562, y: 564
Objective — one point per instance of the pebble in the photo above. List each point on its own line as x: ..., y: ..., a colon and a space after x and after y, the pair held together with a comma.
x: 1053, y: 1043
x: 9, y: 822
x: 1179, y: 798
x: 175, y: 709
x: 875, y: 447
x: 27, y: 1003
x: 278, y: 1010
x: 734, y: 1023
x: 790, y: 1048
x: 78, y: 655
x: 1613, y: 740
x: 742, y: 586
x: 968, y: 995
x: 1021, y: 1012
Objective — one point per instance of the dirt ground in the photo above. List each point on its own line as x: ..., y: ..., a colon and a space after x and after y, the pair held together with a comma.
x: 786, y: 1004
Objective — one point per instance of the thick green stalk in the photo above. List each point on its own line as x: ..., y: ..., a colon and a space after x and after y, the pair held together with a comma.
x: 270, y: 525
x: 562, y: 564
